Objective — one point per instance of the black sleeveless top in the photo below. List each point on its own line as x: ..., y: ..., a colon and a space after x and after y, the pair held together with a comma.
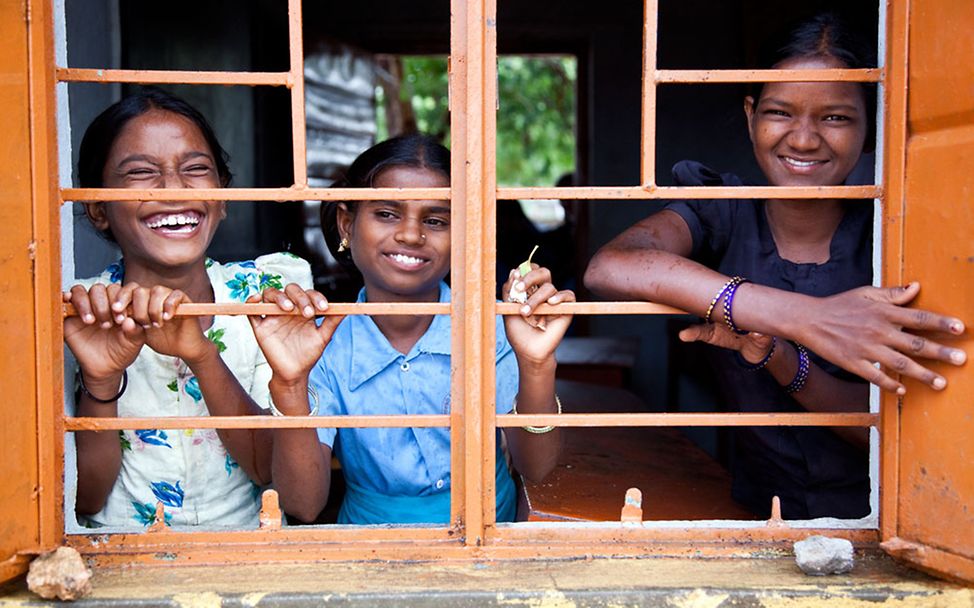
x: 812, y: 470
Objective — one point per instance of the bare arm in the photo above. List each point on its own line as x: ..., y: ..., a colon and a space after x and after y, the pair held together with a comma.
x: 853, y: 329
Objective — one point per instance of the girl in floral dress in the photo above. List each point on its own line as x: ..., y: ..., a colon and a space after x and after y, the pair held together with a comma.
x: 136, y: 359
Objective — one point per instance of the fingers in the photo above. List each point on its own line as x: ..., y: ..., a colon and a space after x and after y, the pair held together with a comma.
x: 81, y: 300
x: 540, y: 296
x: 874, y: 375
x: 901, y: 295
x: 307, y: 302
x: 695, y: 333
x: 924, y: 320
x: 328, y: 326
x: 918, y: 346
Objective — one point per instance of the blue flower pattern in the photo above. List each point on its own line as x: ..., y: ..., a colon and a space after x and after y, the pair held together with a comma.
x: 168, y: 494
x: 155, y: 457
x: 153, y: 437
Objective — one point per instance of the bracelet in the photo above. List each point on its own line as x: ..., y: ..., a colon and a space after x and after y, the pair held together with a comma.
x: 121, y: 391
x: 538, y: 430
x: 312, y: 393
x: 753, y: 367
x: 728, y: 307
x: 713, y: 303
x: 798, y: 382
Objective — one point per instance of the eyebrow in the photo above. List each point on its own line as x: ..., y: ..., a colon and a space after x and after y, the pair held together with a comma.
x: 829, y: 108
x: 400, y: 204
x: 151, y: 159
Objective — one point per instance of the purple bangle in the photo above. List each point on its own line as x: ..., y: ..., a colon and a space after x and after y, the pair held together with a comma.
x: 728, y: 307
x: 733, y: 282
x: 798, y: 382
x: 753, y: 367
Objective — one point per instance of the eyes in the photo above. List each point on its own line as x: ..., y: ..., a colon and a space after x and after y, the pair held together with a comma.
x: 432, y: 220
x: 837, y: 118
x: 147, y: 173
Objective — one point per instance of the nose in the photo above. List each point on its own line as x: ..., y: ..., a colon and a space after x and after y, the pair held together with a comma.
x: 172, y: 179
x: 804, y: 135
x: 410, y: 232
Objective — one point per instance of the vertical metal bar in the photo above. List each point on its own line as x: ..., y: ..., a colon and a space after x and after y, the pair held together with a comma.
x: 298, y: 133
x: 647, y: 176
x: 894, y: 217
x: 46, y: 253
x: 488, y: 255
x: 458, y: 238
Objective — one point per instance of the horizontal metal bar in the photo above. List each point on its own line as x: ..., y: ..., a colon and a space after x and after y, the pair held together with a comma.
x: 252, y: 422
x: 279, y: 79
x: 691, y: 192
x: 186, y: 539
x: 345, y: 308
x: 695, y: 419
x: 734, y: 76
x: 253, y: 194
x: 417, y: 308
x: 635, y: 419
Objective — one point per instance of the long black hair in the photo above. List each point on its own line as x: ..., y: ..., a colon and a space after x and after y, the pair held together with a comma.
x: 412, y: 150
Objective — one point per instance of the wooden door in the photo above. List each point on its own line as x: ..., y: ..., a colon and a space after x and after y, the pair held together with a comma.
x: 932, y: 524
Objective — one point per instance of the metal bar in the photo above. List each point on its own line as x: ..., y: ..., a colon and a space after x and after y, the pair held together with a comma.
x: 688, y: 420
x: 252, y: 422
x: 690, y: 192
x: 298, y: 133
x: 279, y: 79
x: 363, y: 194
x: 895, y: 135
x: 44, y: 248
x: 739, y: 76
x: 252, y: 194
x: 486, y: 285
x: 648, y: 138
x: 240, y: 309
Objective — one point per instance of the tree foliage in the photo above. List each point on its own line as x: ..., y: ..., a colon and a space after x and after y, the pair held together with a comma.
x: 535, y: 121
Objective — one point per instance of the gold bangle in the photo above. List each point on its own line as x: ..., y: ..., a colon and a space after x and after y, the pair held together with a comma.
x: 538, y: 430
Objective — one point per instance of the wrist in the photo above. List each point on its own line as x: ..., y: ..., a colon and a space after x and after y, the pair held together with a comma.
x: 203, y: 354
x: 537, y: 367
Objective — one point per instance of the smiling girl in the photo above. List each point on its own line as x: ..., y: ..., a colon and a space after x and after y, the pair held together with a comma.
x: 805, y: 265
x: 399, y: 364
x: 136, y: 359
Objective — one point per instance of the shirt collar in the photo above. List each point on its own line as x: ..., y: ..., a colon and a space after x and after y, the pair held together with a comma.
x: 371, y: 352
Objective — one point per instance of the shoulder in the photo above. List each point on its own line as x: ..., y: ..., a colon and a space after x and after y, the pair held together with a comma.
x: 243, y: 279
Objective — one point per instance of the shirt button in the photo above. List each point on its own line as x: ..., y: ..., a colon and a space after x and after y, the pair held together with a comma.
x: 405, y: 366
x: 439, y: 484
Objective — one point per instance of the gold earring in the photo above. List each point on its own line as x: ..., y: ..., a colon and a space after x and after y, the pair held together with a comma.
x: 343, y: 245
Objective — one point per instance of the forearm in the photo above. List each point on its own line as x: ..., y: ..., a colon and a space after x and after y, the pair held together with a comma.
x: 822, y: 391
x: 301, y: 465
x: 535, y: 454
x: 99, y: 453
x: 224, y: 396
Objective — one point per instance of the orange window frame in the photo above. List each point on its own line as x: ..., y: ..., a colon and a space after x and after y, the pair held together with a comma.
x: 474, y: 194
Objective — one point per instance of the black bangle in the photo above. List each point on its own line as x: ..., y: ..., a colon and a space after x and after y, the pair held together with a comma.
x: 121, y: 391
x: 753, y: 367
x: 798, y: 382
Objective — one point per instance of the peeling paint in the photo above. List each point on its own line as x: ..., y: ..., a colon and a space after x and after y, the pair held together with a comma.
x: 953, y: 598
x: 550, y: 599
x: 252, y: 599
x: 207, y: 599
x: 698, y: 598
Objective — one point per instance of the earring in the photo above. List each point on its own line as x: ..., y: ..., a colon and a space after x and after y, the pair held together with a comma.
x: 343, y: 245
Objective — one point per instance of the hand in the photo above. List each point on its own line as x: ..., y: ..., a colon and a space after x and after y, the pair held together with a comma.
x: 104, y: 346
x: 153, y: 309
x: 752, y: 346
x: 863, y: 326
x: 535, y: 338
x: 293, y: 344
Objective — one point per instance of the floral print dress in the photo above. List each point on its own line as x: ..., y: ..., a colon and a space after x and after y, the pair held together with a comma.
x: 190, y: 471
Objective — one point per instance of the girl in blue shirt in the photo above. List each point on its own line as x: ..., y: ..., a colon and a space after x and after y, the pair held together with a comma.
x: 399, y: 364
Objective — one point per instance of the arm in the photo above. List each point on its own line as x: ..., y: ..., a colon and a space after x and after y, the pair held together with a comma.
x: 154, y: 308
x: 822, y: 391
x: 301, y: 465
x: 853, y: 329
x: 534, y: 342
x: 104, y: 349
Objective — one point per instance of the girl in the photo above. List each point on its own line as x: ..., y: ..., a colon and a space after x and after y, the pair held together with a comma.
x: 806, y: 263
x: 398, y: 364
x: 136, y: 359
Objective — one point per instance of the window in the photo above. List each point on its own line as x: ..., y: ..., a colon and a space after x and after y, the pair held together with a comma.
x: 475, y: 196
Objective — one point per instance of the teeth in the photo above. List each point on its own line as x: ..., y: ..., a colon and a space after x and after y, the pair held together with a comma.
x: 800, y: 163
x: 174, y: 220
x: 406, y: 259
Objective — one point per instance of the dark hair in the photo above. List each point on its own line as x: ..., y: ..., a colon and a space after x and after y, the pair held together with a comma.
x: 413, y: 150
x: 106, y: 127
x: 824, y: 35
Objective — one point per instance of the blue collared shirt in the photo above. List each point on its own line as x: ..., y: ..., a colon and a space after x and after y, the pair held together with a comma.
x: 361, y: 373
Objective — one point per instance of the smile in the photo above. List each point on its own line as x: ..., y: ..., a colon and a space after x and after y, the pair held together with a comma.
x: 406, y: 261
x: 800, y: 164
x: 174, y: 223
